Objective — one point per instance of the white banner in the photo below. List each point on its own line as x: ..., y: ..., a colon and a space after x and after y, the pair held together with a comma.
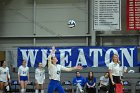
x: 107, y: 15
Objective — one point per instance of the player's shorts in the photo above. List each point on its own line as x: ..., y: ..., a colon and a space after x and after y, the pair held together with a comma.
x: 23, y: 78
x: 3, y: 81
x: 40, y: 81
x: 1, y: 85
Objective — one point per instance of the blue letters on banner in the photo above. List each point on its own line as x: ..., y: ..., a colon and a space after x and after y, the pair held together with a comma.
x: 72, y: 56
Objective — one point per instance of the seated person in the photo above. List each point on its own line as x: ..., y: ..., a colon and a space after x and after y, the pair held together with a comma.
x: 4, y: 77
x: 104, y: 83
x: 79, y: 82
x: 90, y: 83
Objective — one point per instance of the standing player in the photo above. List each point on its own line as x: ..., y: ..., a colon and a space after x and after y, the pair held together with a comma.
x: 114, y: 72
x: 54, y: 73
x: 23, y: 76
x: 40, y: 78
x: 4, y: 77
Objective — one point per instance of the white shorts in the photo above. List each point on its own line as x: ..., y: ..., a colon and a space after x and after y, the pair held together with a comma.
x: 40, y: 81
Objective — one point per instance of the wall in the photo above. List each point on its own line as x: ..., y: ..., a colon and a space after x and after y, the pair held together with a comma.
x: 2, y: 55
x: 50, y: 27
x: 23, y: 23
x: 117, y: 38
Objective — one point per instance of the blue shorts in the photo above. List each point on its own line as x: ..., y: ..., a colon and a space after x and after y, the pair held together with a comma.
x: 23, y: 78
x: 55, y: 85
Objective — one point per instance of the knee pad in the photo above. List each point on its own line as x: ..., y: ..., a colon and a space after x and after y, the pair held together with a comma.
x: 36, y: 91
x: 22, y: 91
x: 7, y: 88
x: 42, y: 91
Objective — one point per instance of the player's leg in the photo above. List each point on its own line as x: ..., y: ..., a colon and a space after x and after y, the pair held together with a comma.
x: 80, y: 88
x: 92, y: 90
x: 22, y: 86
x: 42, y: 88
x: 1, y: 86
x: 37, y: 87
x: 6, y: 87
x: 25, y: 83
x: 59, y: 88
x: 77, y: 90
x: 51, y: 87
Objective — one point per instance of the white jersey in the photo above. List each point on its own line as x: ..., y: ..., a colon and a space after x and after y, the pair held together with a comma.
x: 115, y: 68
x: 55, y: 70
x: 23, y: 71
x: 105, y: 81
x: 40, y: 75
x: 4, y: 74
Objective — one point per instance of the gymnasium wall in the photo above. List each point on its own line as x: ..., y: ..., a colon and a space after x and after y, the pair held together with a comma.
x: 51, y: 17
x: 23, y: 23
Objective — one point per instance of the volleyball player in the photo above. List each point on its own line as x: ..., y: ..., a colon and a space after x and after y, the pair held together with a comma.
x: 40, y: 78
x: 23, y: 76
x: 114, y: 72
x: 4, y: 77
x: 54, y: 70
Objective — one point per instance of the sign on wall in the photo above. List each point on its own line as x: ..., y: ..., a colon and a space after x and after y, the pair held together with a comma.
x: 73, y: 56
x: 107, y: 15
x: 133, y: 14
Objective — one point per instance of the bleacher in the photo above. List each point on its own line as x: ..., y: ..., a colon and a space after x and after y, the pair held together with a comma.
x: 133, y: 78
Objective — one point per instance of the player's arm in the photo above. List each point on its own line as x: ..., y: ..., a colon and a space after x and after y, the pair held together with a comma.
x: 28, y: 75
x: 50, y: 56
x: 44, y: 74
x: 94, y: 82
x: 0, y: 70
x: 101, y: 81
x: 36, y: 74
x: 8, y: 74
x: 19, y: 72
x: 71, y: 68
x: 111, y: 77
x: 110, y: 74
x: 49, y: 60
